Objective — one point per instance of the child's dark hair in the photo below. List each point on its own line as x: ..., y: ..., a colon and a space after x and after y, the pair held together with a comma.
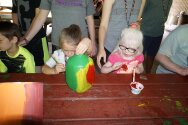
x: 9, y: 30
x: 71, y: 34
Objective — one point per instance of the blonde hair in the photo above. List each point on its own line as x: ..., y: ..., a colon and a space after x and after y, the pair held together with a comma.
x: 132, y: 38
x: 72, y: 35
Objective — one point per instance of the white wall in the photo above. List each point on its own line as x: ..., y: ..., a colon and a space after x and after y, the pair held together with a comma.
x: 5, y: 3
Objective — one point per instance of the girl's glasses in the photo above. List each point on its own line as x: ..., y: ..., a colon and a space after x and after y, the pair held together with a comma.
x: 123, y: 48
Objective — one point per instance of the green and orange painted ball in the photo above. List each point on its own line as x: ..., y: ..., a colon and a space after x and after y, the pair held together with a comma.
x: 80, y: 73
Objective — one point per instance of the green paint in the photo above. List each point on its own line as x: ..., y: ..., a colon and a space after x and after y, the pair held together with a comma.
x: 73, y: 65
x: 178, y: 104
x: 180, y: 107
x: 182, y: 121
x: 167, y: 122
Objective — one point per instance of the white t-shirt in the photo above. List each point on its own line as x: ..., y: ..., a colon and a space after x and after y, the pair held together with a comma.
x: 57, y: 57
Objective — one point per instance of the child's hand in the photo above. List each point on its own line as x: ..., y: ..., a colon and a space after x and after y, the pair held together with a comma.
x: 133, y: 64
x: 117, y: 65
x: 83, y: 46
x: 59, y: 68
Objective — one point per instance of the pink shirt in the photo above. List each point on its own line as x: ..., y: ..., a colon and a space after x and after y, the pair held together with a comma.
x: 115, y: 57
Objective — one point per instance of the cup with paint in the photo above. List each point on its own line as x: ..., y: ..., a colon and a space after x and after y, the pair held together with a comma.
x: 136, y: 87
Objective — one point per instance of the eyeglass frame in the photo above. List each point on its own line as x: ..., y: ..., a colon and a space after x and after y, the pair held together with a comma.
x: 131, y: 50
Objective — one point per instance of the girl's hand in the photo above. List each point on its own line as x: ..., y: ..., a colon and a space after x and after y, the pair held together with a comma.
x: 59, y: 68
x: 83, y: 46
x: 117, y: 65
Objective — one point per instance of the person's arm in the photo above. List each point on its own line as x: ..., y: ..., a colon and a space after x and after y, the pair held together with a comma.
x: 14, y: 12
x: 91, y: 28
x: 107, y: 8
x: 109, y: 67
x: 47, y: 70
x: 141, y: 10
x: 84, y: 46
x: 139, y: 68
x: 29, y: 64
x: 139, y: 17
x: 168, y: 64
x: 15, y: 18
x: 36, y: 25
x: 54, y: 70
x: 106, y: 68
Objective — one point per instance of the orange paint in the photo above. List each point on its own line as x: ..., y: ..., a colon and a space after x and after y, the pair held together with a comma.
x: 14, y: 98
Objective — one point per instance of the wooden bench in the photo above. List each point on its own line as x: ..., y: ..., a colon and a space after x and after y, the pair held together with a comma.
x: 163, y: 101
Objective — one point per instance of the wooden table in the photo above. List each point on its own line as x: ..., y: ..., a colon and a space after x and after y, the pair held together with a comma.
x: 163, y: 101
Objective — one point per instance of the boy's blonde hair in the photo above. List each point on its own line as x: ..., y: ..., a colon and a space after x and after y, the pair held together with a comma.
x: 132, y: 38
x: 71, y: 34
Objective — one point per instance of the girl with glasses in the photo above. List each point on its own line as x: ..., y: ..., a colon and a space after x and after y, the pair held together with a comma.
x: 127, y: 54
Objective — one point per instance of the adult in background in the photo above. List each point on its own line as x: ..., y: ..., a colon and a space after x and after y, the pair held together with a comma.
x: 178, y: 10
x: 173, y: 53
x: 65, y: 13
x: 116, y: 15
x: 153, y: 18
x: 23, y: 13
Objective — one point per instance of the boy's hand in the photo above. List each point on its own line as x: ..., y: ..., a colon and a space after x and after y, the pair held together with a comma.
x: 59, y: 68
x: 83, y: 46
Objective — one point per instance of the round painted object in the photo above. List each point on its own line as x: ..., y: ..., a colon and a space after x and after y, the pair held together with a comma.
x: 80, y: 73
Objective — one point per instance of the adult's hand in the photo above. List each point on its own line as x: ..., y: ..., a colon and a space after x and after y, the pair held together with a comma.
x: 101, y: 55
x: 92, y: 50
x: 23, y: 41
x: 83, y: 46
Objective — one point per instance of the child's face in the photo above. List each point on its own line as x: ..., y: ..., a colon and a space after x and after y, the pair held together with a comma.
x: 5, y: 43
x: 68, y: 49
x: 127, y: 51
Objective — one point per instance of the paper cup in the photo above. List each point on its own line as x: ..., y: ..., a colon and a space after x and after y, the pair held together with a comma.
x: 136, y: 87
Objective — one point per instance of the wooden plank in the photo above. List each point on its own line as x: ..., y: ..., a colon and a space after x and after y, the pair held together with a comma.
x: 34, y: 77
x: 126, y: 121
x: 138, y: 108
x: 99, y: 79
x: 164, y: 100
x: 120, y: 91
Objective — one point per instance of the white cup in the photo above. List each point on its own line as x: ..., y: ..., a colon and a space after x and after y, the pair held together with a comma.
x: 136, y: 87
